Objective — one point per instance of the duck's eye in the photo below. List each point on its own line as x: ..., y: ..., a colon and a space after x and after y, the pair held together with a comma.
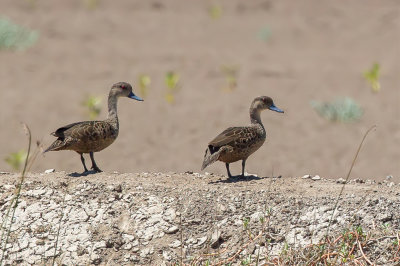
x: 123, y: 87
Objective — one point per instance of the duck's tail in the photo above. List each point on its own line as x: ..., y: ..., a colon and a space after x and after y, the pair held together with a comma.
x: 211, y: 155
x: 55, y: 146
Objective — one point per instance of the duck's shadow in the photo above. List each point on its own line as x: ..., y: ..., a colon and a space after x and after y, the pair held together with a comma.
x: 239, y: 178
x: 90, y: 172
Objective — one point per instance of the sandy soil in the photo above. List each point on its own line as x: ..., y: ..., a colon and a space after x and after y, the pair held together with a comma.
x: 316, y: 51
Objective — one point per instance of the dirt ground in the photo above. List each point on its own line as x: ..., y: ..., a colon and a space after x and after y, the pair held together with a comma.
x: 168, y: 218
x: 311, y: 50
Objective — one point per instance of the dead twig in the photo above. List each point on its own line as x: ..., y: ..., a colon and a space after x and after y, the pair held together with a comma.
x: 362, y: 252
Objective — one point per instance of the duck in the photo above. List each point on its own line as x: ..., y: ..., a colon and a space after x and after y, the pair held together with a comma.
x: 238, y: 143
x: 93, y: 136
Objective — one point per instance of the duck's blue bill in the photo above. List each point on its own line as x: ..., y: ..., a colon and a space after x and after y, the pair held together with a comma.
x: 276, y: 109
x: 133, y: 96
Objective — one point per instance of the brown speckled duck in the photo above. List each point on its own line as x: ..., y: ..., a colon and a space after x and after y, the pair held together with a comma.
x: 238, y: 143
x: 93, y: 136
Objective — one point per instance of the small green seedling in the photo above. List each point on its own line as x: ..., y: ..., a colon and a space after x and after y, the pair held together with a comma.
x: 215, y: 11
x: 144, y: 84
x: 341, y: 110
x: 93, y: 105
x: 31, y: 3
x: 246, y: 261
x: 13, y: 36
x: 246, y: 223
x: 16, y: 159
x: 230, y: 72
x: 92, y: 4
x: 372, y: 77
x: 264, y: 33
x: 171, y: 81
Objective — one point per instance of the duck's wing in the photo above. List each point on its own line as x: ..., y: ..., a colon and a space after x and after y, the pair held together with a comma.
x: 77, y: 132
x: 77, y: 128
x: 232, y: 135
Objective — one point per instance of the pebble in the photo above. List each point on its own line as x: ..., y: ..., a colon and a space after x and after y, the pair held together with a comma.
x: 201, y: 240
x: 306, y: 176
x: 175, y: 244
x: 167, y: 255
x: 215, y: 239
x: 341, y: 181
x: 172, y: 230
x: 317, y: 177
x: 48, y: 171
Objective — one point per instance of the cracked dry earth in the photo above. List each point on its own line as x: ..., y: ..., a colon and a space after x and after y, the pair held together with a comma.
x: 162, y: 219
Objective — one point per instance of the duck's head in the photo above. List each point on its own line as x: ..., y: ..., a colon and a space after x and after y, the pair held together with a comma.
x: 265, y: 102
x: 124, y: 89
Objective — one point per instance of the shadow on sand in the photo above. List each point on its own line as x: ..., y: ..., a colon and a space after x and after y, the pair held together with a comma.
x: 75, y: 174
x: 240, y: 178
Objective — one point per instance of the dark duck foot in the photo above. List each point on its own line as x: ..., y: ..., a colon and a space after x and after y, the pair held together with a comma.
x: 96, y: 169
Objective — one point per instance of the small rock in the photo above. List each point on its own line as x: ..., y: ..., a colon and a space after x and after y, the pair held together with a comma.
x: 48, y: 171
x: 172, y: 230
x: 101, y: 244
x: 175, y: 244
x: 191, y: 241
x: 127, y: 246
x: 167, y: 255
x: 341, y: 181
x: 306, y: 176
x: 201, y: 240
x: 317, y: 177
x: 128, y: 237
x: 384, y: 217
x: 8, y: 187
x: 216, y: 239
x: 389, y: 177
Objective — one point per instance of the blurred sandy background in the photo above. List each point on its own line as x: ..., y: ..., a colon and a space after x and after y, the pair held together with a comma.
x: 294, y: 52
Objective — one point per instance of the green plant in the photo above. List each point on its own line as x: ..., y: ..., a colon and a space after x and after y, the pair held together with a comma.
x: 230, y: 73
x: 264, y: 33
x: 13, y: 36
x: 93, y: 105
x: 344, y: 184
x: 144, y: 83
x: 246, y: 223
x: 246, y: 261
x: 342, y: 110
x: 215, y: 11
x: 16, y: 159
x: 9, y: 217
x: 171, y: 81
x: 92, y: 4
x: 372, y: 77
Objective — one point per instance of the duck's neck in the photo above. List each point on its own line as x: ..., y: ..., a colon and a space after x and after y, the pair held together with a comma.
x: 255, y: 115
x: 112, y: 107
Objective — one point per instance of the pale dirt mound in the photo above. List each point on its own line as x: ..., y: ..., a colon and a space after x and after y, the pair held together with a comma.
x: 120, y: 219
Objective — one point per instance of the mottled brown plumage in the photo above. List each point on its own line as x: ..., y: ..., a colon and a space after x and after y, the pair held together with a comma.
x: 93, y: 136
x: 238, y: 143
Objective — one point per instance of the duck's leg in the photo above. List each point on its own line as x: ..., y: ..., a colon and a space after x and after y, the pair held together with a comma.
x: 243, y: 165
x: 94, y: 165
x: 227, y: 169
x: 83, y: 162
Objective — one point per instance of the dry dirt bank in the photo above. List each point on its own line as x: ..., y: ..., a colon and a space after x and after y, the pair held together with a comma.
x: 143, y: 218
